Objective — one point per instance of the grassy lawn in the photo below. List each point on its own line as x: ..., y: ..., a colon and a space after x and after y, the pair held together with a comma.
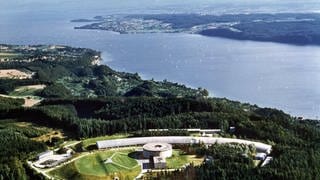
x: 179, y: 159
x: 115, y: 163
x: 123, y: 159
x: 92, y: 141
x: 113, y: 168
x: 69, y: 142
x: 94, y: 165
x: 68, y: 171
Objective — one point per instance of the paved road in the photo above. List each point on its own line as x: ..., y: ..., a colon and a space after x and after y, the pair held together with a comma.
x: 39, y: 170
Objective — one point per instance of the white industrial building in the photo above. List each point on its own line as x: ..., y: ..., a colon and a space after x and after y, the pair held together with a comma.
x: 157, y: 153
x: 260, y: 147
x: 44, y: 154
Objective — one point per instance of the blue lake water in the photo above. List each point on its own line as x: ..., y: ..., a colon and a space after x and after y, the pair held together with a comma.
x: 267, y: 74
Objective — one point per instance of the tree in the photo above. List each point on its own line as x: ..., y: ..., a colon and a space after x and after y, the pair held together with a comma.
x: 205, y: 93
x: 55, y: 90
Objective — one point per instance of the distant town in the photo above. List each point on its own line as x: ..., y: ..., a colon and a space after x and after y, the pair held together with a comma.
x: 9, y: 53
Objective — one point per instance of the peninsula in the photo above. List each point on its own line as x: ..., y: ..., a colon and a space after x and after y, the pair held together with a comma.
x: 290, y: 28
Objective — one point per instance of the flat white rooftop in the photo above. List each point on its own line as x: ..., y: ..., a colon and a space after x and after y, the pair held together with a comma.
x: 157, y: 146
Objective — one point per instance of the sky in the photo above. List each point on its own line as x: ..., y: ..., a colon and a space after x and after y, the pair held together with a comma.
x: 280, y: 5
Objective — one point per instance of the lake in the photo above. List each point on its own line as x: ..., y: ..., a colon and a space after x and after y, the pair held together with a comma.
x: 267, y: 74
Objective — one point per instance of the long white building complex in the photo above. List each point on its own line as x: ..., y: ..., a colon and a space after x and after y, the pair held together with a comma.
x: 261, y: 147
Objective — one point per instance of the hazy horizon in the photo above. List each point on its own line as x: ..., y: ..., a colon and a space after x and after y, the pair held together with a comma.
x: 185, y: 6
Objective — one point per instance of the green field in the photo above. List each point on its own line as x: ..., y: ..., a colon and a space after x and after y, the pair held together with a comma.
x: 101, y: 165
x: 27, y: 90
x: 123, y: 159
x: 24, y: 92
x: 113, y: 163
x: 179, y: 159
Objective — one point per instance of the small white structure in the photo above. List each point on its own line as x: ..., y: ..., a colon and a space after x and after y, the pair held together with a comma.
x: 69, y: 151
x: 159, y: 162
x: 44, y: 154
x: 266, y: 161
x: 51, y: 160
x: 261, y: 156
x: 48, y: 159
x: 232, y: 129
x: 163, y: 150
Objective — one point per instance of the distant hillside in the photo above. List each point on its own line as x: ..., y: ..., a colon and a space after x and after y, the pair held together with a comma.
x: 290, y: 28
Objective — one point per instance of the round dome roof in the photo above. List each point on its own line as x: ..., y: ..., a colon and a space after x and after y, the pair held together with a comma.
x: 157, y: 147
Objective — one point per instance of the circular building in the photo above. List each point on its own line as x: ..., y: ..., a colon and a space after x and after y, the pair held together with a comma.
x: 163, y: 150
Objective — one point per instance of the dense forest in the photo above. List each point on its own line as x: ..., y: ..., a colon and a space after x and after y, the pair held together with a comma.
x: 16, y: 145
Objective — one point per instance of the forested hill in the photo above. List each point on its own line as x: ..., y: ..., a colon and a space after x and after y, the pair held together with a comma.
x: 75, y: 72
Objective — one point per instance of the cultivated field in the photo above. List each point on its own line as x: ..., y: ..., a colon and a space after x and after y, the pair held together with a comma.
x: 28, y: 93
x: 8, y: 55
x: 14, y: 74
x: 27, y: 90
